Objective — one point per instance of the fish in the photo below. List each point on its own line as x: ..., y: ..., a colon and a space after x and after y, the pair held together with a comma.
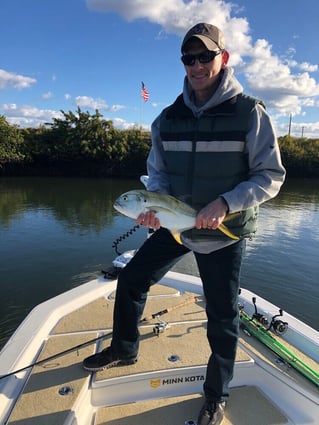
x: 173, y: 214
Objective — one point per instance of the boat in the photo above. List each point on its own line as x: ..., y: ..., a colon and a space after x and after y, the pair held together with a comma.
x: 276, y: 377
x: 42, y: 381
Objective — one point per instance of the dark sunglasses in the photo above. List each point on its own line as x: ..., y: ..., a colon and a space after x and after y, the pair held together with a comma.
x: 204, y: 57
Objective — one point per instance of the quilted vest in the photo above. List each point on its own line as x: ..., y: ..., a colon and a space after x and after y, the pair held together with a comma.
x: 205, y: 156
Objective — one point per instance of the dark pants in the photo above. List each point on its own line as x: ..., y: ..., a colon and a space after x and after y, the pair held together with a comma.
x: 219, y: 272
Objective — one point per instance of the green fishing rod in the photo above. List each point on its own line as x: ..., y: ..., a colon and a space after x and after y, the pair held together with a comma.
x: 264, y: 335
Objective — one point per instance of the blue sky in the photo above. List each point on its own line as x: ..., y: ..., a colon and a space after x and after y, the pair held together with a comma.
x: 61, y: 54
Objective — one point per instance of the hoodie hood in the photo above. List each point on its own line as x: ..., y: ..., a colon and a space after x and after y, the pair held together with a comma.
x: 228, y: 87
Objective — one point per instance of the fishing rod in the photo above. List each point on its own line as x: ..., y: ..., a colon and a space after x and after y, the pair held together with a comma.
x: 99, y: 338
x: 264, y: 335
x: 169, y: 309
x: 162, y: 326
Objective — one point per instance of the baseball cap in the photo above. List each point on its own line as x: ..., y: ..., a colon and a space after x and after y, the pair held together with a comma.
x: 211, y: 36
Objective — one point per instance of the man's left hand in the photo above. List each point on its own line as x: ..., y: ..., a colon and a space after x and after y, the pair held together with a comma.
x: 212, y: 215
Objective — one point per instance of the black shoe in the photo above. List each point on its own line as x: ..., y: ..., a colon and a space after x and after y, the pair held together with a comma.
x: 106, y: 359
x: 211, y: 413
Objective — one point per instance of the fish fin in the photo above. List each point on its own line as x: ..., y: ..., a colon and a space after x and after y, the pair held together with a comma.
x: 231, y: 216
x: 227, y: 232
x: 177, y: 236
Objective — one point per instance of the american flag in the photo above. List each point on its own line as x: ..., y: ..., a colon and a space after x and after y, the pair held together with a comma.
x: 144, y: 93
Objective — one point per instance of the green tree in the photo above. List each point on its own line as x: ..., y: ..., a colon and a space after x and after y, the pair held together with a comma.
x: 300, y: 156
x: 82, y: 135
x: 10, y: 143
x: 139, y: 143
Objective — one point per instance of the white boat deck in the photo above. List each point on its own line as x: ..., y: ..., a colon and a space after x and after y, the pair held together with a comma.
x: 165, y: 385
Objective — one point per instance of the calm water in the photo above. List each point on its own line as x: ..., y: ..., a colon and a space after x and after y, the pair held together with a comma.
x: 56, y: 234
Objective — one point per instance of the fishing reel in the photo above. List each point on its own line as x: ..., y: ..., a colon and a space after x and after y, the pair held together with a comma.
x: 160, y: 327
x: 261, y: 318
x: 279, y: 326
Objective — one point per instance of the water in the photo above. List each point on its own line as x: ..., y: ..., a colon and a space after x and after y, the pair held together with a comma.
x: 56, y: 234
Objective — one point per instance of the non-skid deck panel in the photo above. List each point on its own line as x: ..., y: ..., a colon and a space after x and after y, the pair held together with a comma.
x: 186, y: 341
x: 246, y: 406
x: 157, y: 290
x: 98, y: 315
x: 92, y: 317
x: 40, y: 402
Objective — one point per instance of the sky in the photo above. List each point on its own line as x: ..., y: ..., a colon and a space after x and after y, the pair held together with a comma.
x: 63, y: 54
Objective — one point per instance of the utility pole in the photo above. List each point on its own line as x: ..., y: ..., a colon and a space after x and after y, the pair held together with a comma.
x: 289, y: 129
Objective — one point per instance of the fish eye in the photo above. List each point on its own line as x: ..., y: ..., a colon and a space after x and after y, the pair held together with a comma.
x: 125, y: 198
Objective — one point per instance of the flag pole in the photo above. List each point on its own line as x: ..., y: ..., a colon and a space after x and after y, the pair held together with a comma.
x: 141, y: 113
x: 145, y: 95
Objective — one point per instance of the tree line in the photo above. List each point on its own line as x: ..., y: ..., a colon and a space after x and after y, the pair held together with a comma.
x: 79, y: 143
x: 84, y: 144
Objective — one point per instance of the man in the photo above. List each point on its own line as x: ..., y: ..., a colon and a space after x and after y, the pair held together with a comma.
x: 216, y: 150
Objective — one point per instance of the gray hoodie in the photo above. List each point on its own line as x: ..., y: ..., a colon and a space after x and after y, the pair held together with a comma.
x: 266, y: 173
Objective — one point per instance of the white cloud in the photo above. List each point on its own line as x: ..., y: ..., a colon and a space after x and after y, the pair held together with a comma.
x: 124, y: 125
x: 271, y: 79
x: 100, y: 104
x: 90, y: 102
x: 67, y: 96
x: 28, y: 116
x: 292, y: 63
x: 305, y: 66
x: 176, y: 16
x: 121, y: 124
x: 15, y: 81
x: 115, y: 108
x: 47, y: 95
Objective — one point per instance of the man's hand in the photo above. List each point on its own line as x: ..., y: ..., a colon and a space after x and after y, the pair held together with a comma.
x: 148, y: 219
x: 212, y: 215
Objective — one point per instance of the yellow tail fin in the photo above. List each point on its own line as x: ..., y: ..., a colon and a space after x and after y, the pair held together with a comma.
x: 227, y: 232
